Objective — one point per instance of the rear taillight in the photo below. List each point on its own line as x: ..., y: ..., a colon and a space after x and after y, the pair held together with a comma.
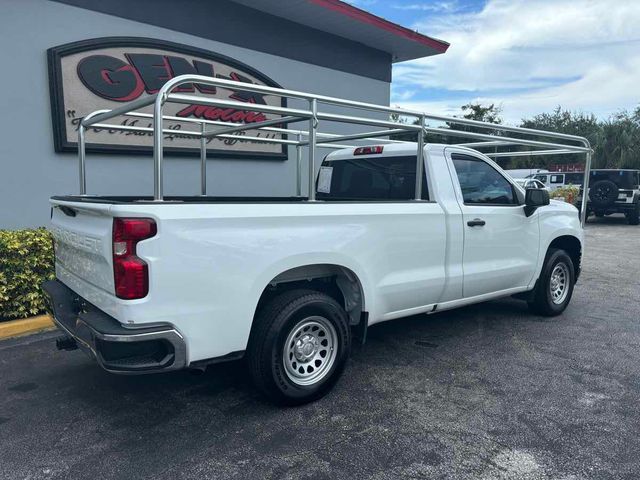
x: 130, y: 272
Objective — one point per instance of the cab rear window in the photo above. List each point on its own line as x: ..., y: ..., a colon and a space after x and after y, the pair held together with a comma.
x: 382, y: 178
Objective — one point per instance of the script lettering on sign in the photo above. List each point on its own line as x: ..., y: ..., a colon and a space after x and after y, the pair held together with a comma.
x: 104, y: 73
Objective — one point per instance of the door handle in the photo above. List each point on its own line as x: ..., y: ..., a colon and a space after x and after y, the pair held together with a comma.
x: 476, y: 222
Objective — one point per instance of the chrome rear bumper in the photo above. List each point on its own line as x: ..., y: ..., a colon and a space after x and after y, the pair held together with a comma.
x: 116, y: 348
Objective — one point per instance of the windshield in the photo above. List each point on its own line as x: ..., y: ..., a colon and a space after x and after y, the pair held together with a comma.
x: 627, y: 179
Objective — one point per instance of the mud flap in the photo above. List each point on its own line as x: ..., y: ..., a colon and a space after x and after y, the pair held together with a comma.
x: 360, y: 330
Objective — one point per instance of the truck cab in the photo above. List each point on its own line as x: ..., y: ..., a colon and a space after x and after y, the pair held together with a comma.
x: 492, y: 234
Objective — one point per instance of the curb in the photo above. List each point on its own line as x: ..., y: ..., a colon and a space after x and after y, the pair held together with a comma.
x: 25, y: 326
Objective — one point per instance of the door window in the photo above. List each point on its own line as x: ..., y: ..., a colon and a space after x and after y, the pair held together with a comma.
x: 542, y: 178
x: 481, y: 184
x: 557, y: 178
x: 574, y: 178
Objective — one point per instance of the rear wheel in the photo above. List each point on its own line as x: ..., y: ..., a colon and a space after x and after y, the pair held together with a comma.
x: 299, y: 346
x: 603, y: 193
x: 555, y: 286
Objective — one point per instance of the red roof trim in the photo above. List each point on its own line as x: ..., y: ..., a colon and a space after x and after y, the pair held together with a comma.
x: 371, y: 19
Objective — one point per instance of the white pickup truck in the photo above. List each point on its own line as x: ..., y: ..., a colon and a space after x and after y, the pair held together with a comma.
x: 148, y: 286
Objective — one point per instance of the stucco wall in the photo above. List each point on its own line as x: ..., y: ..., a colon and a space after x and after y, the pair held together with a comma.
x: 30, y: 170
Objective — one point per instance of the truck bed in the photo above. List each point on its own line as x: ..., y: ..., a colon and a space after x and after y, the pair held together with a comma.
x: 212, y: 257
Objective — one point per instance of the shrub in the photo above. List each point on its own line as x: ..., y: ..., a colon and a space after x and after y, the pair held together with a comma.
x: 26, y: 260
x: 569, y: 193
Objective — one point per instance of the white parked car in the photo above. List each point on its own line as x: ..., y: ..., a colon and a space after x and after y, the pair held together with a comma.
x: 530, y: 183
x: 555, y: 180
x: 147, y: 286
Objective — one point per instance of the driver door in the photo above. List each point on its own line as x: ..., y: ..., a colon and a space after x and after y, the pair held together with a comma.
x: 500, y: 242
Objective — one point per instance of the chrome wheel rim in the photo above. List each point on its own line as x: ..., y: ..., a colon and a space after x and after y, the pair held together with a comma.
x: 310, y: 350
x: 559, y: 283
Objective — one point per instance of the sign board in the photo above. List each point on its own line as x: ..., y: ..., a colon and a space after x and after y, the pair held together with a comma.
x: 104, y: 73
x: 567, y: 167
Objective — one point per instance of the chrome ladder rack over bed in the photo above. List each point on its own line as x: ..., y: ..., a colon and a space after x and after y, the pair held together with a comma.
x: 314, y: 115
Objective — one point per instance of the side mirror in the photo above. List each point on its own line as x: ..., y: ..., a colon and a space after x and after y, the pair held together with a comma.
x: 534, y: 198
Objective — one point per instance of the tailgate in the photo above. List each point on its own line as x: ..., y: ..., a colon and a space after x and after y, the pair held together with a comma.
x: 83, y: 236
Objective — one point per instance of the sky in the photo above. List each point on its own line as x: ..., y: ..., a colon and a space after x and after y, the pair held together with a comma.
x: 527, y: 56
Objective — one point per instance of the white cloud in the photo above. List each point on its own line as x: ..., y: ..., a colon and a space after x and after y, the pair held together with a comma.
x: 532, y: 55
x: 362, y: 3
x: 444, y: 6
x: 402, y: 95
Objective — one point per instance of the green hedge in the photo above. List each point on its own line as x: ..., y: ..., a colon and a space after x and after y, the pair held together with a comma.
x: 26, y: 260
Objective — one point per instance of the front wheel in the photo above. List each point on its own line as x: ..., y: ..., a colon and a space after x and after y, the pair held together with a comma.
x: 299, y: 346
x: 555, y: 286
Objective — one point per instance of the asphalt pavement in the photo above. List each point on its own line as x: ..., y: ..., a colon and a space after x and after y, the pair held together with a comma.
x: 485, y: 392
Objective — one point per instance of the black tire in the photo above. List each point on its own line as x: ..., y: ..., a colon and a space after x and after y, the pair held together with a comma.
x: 599, y: 214
x: 275, y: 322
x: 603, y: 193
x: 633, y: 217
x: 543, y: 302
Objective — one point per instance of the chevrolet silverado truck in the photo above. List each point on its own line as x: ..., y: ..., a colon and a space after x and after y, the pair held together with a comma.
x: 150, y: 286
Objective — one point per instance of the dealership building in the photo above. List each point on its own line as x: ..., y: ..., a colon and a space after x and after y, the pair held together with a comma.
x: 64, y: 59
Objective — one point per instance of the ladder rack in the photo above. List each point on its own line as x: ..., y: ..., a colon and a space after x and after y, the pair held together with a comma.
x: 314, y: 114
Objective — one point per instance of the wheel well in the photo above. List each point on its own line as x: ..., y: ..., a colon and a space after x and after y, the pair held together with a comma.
x: 573, y: 247
x: 338, y: 282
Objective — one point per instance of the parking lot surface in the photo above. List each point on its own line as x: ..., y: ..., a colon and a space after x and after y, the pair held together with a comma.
x: 485, y: 392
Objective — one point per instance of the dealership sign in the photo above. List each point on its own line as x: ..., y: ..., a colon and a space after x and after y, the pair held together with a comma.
x: 104, y: 73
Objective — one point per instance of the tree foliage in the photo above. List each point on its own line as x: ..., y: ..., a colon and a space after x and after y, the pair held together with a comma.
x: 471, y: 111
x: 476, y: 111
x: 619, y: 142
x: 616, y: 140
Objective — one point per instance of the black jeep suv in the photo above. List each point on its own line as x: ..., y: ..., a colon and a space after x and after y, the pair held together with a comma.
x: 615, y: 191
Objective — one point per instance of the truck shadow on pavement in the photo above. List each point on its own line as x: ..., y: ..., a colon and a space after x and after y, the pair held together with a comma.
x: 413, y: 340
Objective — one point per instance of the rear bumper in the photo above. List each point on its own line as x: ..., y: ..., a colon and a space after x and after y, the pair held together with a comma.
x: 616, y: 207
x: 116, y: 348
x: 619, y: 206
